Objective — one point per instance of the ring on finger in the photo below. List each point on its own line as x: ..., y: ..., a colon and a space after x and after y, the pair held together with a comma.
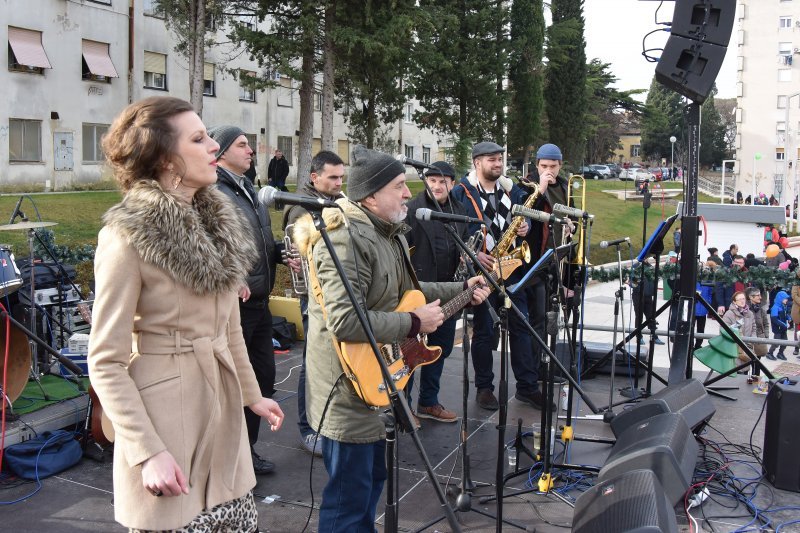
x: 156, y: 492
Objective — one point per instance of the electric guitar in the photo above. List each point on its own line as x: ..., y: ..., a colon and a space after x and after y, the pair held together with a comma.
x: 405, y: 356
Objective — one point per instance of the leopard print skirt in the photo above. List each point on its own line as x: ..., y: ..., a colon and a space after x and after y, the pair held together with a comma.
x: 235, y: 516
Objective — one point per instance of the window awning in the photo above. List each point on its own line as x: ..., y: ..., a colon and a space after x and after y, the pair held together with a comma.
x: 97, y: 59
x: 155, y: 63
x: 27, y: 47
x: 208, y: 72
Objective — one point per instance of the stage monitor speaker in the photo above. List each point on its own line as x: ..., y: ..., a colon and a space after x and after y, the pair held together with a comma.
x: 688, y: 398
x: 782, y: 437
x: 631, y: 502
x: 690, y: 67
x: 704, y: 20
x: 663, y: 444
x: 596, y: 351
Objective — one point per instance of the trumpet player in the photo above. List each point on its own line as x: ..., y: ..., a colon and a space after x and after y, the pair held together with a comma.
x: 233, y: 160
x: 489, y: 195
x: 436, y: 258
x: 325, y: 181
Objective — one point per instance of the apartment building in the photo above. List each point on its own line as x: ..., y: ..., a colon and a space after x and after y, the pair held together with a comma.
x: 768, y: 97
x: 73, y: 65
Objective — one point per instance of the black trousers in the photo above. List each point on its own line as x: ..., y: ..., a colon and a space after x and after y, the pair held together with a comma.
x: 257, y: 331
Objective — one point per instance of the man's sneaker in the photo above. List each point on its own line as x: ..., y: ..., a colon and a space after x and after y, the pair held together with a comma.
x: 658, y: 341
x: 312, y: 444
x: 770, y: 356
x: 436, y: 412
x: 535, y: 399
x: 781, y: 356
x: 487, y: 400
x: 261, y: 465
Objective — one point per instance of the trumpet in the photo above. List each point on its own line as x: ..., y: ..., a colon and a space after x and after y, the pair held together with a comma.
x: 299, y: 279
x: 474, y: 243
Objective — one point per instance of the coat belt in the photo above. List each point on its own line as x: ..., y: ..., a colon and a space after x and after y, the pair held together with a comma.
x: 216, y: 364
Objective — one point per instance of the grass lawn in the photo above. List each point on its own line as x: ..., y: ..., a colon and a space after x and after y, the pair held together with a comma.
x: 79, y: 218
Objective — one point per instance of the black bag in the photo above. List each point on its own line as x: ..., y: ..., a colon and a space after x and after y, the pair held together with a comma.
x: 46, y: 275
x: 283, y: 332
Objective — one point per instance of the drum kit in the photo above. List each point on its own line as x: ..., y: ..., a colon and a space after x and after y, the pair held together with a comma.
x: 19, y: 367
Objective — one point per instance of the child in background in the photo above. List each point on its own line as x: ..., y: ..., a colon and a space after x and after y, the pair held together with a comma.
x: 779, y: 320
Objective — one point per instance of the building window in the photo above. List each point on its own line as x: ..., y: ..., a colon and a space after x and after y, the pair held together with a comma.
x: 426, y: 155
x: 785, y: 48
x: 155, y: 71
x: 152, y: 9
x: 252, y: 140
x: 209, y: 85
x: 96, y: 62
x: 409, y: 113
x: 24, y: 140
x: 784, y: 74
x: 248, y: 21
x: 780, y: 127
x: 285, y: 92
x: 779, y: 154
x: 409, y: 151
x: 343, y: 150
x: 247, y: 93
x: 317, y: 101
x: 635, y: 149
x: 285, y: 146
x: 785, y: 22
x: 92, y: 137
x: 781, y: 101
x: 25, y: 51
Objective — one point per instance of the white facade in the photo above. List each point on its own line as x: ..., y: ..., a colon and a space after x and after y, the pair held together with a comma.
x: 52, y: 118
x: 768, y: 46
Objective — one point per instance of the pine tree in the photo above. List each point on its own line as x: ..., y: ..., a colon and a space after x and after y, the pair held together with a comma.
x: 565, y: 88
x: 663, y: 117
x: 712, y: 133
x: 526, y: 77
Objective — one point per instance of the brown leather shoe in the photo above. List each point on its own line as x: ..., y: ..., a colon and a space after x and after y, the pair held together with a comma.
x: 436, y: 412
x: 487, y: 400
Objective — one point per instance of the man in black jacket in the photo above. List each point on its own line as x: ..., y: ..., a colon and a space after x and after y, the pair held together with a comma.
x: 233, y: 160
x: 436, y: 258
x: 278, y: 170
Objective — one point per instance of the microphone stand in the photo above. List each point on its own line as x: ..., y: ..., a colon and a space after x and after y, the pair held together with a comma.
x: 399, y: 404
x: 619, y: 298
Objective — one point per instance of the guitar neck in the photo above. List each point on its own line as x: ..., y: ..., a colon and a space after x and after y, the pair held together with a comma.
x: 459, y: 302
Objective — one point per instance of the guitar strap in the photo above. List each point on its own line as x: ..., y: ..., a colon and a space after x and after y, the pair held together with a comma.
x: 316, y: 292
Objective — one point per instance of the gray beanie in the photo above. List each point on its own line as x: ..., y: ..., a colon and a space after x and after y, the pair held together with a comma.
x: 486, y: 148
x: 224, y: 135
x: 370, y: 171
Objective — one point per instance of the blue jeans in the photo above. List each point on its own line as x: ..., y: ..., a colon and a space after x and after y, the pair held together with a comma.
x: 356, y: 473
x: 430, y: 375
x: 523, y: 363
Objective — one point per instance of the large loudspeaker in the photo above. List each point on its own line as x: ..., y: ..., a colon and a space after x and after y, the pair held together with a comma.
x: 688, y: 398
x: 782, y: 437
x: 663, y: 444
x: 631, y: 502
x: 595, y: 351
x: 693, y: 55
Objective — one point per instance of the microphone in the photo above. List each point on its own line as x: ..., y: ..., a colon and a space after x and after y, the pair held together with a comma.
x: 615, y: 242
x: 413, y: 162
x: 429, y: 214
x: 535, y: 214
x: 270, y: 195
x: 568, y: 211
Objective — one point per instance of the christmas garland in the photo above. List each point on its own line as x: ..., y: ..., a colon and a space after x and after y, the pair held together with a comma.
x: 759, y: 276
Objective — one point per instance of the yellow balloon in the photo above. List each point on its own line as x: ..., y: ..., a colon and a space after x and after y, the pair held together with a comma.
x: 772, y: 250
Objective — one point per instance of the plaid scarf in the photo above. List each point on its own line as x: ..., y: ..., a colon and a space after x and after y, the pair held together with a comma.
x: 496, y: 209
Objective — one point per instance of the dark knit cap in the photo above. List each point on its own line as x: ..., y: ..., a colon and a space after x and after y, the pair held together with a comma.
x: 486, y: 148
x: 224, y: 135
x: 370, y: 171
x: 442, y: 169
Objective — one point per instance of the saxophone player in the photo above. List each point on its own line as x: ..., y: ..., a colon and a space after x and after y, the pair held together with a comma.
x: 489, y: 195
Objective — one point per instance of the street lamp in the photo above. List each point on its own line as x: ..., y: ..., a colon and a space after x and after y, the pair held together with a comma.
x: 672, y: 140
x: 756, y: 157
x: 787, y: 153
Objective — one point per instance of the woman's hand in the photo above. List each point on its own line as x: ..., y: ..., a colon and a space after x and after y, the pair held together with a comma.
x: 244, y: 293
x: 270, y: 411
x: 162, y: 476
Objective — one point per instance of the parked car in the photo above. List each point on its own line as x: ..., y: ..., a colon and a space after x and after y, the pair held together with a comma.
x: 615, y: 169
x: 603, y: 170
x: 656, y: 172
x: 627, y: 174
x: 589, y: 173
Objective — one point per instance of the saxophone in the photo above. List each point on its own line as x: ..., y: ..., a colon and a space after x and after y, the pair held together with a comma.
x: 503, y: 246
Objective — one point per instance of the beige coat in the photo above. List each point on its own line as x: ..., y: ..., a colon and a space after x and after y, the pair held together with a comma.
x: 166, y: 354
x: 796, y: 304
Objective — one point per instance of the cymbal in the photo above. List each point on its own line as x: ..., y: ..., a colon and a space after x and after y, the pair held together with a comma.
x: 26, y: 225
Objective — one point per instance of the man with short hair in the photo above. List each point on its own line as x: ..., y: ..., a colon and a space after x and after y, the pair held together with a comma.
x: 436, y: 258
x: 727, y: 256
x: 278, y: 170
x: 233, y: 160
x: 325, y: 182
x: 375, y: 258
x: 489, y: 195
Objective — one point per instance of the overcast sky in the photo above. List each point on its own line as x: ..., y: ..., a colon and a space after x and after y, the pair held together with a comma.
x: 614, y: 32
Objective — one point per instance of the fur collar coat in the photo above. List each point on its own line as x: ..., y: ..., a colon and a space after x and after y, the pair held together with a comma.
x: 166, y: 353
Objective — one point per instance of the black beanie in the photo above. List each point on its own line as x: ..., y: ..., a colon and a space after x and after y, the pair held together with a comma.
x: 224, y: 135
x: 370, y: 172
